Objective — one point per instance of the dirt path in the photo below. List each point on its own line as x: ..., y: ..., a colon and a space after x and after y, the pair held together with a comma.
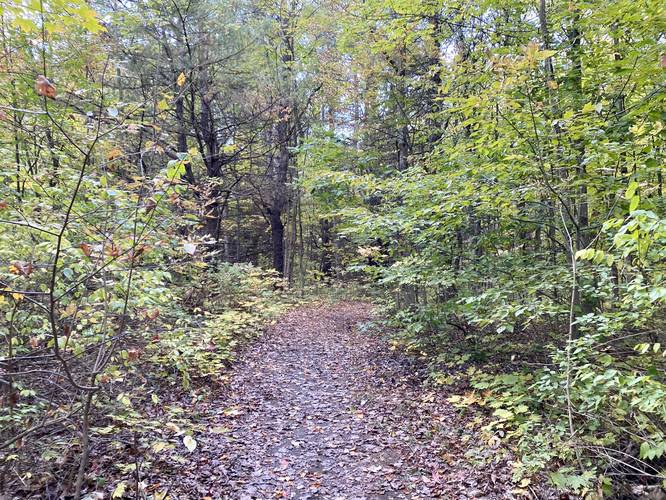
x: 319, y: 409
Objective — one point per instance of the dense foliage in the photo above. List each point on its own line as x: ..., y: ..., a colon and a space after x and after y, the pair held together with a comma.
x: 520, y: 228
x: 494, y: 170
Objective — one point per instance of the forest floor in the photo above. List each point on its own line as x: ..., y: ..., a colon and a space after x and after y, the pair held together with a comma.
x: 319, y: 408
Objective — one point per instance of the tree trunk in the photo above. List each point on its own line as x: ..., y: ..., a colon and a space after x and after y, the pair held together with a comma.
x: 326, y: 265
x: 403, y: 147
x: 280, y: 172
x: 277, y: 239
x: 182, y: 138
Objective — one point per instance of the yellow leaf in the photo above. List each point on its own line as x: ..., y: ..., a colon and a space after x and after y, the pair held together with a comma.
x: 220, y: 429
x: 588, y: 108
x: 232, y: 412
x: 159, y: 446
x: 120, y: 490
x: 180, y: 81
x: 114, y: 153
x: 172, y: 427
x: 69, y: 310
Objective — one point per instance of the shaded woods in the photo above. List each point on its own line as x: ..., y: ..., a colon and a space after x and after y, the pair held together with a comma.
x: 176, y: 174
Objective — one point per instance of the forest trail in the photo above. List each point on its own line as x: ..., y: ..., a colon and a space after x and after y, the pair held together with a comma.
x: 319, y: 409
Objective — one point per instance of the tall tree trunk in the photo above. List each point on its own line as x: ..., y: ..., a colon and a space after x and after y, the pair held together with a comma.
x: 283, y: 131
x: 550, y: 77
x: 280, y: 168
x: 277, y: 239
x: 403, y: 147
x: 212, y: 158
x: 434, y: 122
x: 326, y: 264
x: 576, y: 81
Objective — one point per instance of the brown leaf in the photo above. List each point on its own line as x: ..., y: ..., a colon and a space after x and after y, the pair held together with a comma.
x: 86, y: 249
x: 113, y: 250
x: 3, y: 205
x: 152, y: 314
x: 114, y: 153
x: 70, y: 310
x: 20, y: 268
x: 44, y: 87
x: 137, y: 252
x: 150, y: 205
x: 662, y: 61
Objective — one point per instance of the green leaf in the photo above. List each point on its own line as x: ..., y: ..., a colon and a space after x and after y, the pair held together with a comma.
x: 588, y: 108
x: 25, y: 25
x: 503, y: 414
x: 545, y: 54
x: 633, y: 205
x: 657, y: 293
x: 631, y: 190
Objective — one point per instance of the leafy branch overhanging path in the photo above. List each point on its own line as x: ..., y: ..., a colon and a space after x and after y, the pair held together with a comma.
x: 320, y: 409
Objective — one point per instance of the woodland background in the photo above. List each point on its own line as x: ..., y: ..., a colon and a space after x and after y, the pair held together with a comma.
x: 175, y: 173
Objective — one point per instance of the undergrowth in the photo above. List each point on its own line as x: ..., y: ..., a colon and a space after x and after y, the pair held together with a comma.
x: 155, y: 391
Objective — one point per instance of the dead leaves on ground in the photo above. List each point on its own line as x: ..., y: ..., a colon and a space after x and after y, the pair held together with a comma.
x: 318, y: 408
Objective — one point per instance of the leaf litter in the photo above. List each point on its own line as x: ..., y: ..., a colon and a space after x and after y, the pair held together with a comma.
x: 318, y: 409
